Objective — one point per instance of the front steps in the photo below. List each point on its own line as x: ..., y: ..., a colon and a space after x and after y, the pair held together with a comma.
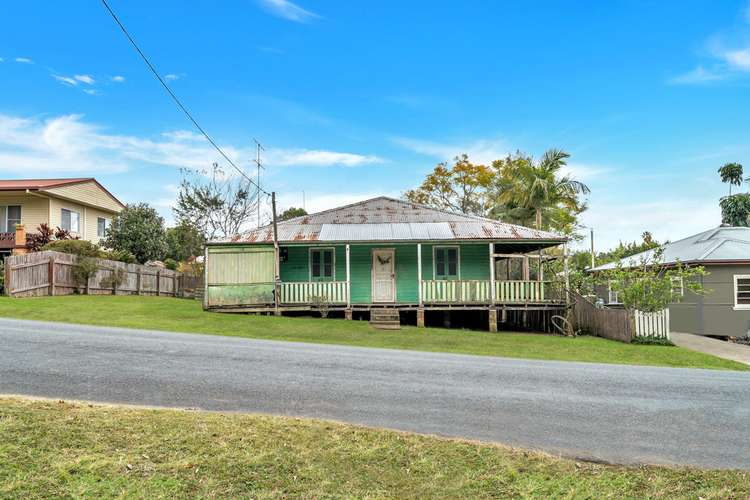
x: 385, y: 319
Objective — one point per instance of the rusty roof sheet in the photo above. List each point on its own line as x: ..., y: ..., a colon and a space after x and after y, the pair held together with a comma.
x: 388, y: 219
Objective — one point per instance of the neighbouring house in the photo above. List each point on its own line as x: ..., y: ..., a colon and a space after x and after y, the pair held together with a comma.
x: 81, y: 205
x: 384, y: 253
x: 725, y: 254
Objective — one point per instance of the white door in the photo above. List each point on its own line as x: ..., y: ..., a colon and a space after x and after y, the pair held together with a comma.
x: 383, y: 275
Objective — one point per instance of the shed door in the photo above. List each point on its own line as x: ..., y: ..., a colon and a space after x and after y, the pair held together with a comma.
x: 384, y: 275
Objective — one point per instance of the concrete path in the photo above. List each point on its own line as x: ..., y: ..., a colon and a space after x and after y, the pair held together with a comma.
x: 626, y: 414
x: 714, y: 347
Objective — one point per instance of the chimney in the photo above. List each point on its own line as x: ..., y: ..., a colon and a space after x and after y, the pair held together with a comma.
x: 20, y: 247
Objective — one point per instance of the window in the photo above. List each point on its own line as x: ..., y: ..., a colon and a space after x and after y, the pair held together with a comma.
x: 11, y: 215
x: 102, y: 225
x: 70, y: 220
x: 613, y: 297
x: 446, y: 263
x: 321, y: 264
x: 678, y: 286
x: 742, y: 291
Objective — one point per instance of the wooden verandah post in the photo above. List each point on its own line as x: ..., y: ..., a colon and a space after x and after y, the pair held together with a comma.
x: 420, y: 309
x: 348, y: 312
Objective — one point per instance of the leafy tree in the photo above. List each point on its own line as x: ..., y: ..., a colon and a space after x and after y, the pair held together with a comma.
x: 541, y: 189
x: 292, y: 212
x: 138, y: 229
x: 735, y: 210
x: 731, y: 173
x: 217, y: 204
x: 461, y: 187
x: 649, y: 286
x: 184, y: 241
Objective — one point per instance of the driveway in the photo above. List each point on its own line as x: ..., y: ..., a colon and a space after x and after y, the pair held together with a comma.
x: 614, y: 413
x: 714, y: 347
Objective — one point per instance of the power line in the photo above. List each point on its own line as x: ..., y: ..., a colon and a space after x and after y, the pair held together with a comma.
x: 176, y: 100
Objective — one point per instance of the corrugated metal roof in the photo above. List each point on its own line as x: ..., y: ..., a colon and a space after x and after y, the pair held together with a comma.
x: 718, y: 244
x: 388, y: 219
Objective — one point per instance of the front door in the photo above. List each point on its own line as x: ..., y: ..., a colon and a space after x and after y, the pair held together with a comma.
x: 384, y: 275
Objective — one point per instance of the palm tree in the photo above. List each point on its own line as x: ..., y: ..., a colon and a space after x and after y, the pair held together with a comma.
x: 541, y: 189
x: 731, y: 173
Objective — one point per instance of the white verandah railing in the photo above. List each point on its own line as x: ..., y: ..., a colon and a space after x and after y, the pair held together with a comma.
x: 307, y: 292
x: 479, y: 291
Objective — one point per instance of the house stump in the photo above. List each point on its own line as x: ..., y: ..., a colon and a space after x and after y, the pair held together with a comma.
x: 420, y: 318
x: 493, y: 319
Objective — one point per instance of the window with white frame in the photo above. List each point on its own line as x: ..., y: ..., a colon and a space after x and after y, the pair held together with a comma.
x: 70, y: 220
x: 9, y: 216
x: 613, y: 297
x: 322, y: 266
x: 678, y: 286
x: 742, y: 291
x: 102, y: 224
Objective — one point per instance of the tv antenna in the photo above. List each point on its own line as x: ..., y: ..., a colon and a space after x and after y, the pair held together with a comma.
x: 258, y: 148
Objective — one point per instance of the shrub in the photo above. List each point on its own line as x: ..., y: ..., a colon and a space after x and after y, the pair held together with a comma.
x: 81, y: 248
x: 83, y: 270
x: 115, y: 279
x: 651, y: 340
x: 170, y: 264
x: 120, y: 256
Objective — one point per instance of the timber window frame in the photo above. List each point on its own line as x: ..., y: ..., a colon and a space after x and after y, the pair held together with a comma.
x: 73, y: 224
x: 10, y: 222
x: 743, y: 281
x: 321, y: 263
x: 102, y: 224
x: 446, y: 275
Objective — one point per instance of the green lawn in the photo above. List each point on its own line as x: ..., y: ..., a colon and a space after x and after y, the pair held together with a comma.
x: 187, y: 316
x: 58, y: 449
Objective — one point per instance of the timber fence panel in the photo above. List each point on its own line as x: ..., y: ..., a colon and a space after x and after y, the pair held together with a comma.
x: 614, y: 324
x: 33, y: 275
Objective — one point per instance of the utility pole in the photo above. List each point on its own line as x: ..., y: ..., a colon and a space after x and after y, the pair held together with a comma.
x: 593, y: 256
x: 259, y: 165
x: 277, y: 262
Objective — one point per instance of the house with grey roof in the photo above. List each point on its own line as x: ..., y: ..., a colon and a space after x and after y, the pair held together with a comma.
x: 725, y: 254
x: 382, y: 253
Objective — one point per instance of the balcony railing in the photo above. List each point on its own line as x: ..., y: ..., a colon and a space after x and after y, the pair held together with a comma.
x: 309, y: 292
x: 479, y: 291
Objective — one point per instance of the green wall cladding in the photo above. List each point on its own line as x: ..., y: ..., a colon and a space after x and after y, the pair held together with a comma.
x: 474, y: 265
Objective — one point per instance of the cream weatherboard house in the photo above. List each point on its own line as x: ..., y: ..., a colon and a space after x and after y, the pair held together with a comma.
x: 81, y: 205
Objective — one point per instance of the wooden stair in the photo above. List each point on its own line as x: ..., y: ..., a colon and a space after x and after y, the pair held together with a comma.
x: 385, y: 319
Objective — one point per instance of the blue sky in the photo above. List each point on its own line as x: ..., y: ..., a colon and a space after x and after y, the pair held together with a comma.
x: 357, y: 99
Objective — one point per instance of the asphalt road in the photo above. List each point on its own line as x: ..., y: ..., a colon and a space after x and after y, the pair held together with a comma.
x: 615, y: 413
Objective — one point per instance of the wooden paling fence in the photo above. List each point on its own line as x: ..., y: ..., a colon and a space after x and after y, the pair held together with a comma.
x: 614, y: 324
x: 51, y: 273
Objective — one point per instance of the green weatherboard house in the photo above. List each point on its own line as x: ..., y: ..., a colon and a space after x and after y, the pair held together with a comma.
x: 382, y: 253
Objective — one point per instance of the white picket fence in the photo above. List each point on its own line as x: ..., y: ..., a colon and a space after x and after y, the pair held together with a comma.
x: 655, y: 324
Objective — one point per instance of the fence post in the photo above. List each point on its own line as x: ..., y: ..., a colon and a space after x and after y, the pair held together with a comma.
x: 158, y: 283
x: 8, y: 274
x: 174, y: 285
x: 51, y: 275
x: 138, y: 280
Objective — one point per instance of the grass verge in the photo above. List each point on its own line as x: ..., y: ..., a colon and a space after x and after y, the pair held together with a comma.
x: 59, y: 449
x: 187, y: 316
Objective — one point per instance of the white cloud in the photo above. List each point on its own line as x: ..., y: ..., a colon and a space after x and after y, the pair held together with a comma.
x: 479, y: 151
x: 2, y: 60
x: 66, y: 80
x: 698, y: 75
x: 317, y: 201
x: 738, y: 59
x: 69, y: 144
x: 91, y: 91
x: 669, y: 219
x: 317, y: 158
x: 173, y: 76
x: 24, y: 60
x: 87, y: 79
x: 288, y: 10
x: 118, y: 79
